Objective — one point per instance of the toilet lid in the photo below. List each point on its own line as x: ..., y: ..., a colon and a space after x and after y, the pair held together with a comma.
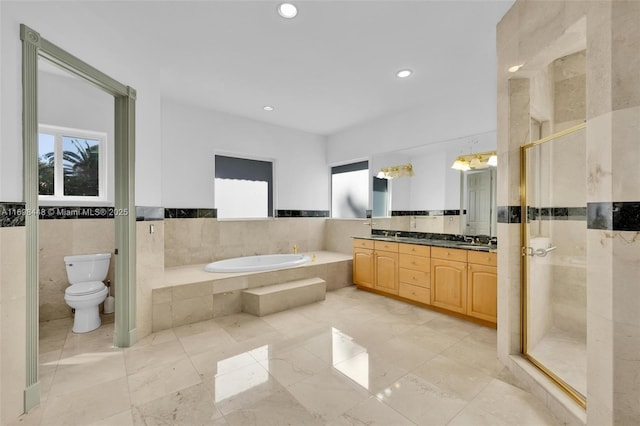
x: 82, y: 289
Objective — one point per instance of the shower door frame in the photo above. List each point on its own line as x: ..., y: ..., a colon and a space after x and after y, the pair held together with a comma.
x: 524, y: 266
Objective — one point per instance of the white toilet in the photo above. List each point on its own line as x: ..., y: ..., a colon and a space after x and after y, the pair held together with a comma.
x: 86, y: 291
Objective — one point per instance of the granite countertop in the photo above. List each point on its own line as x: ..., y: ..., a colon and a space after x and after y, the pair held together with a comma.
x: 435, y: 243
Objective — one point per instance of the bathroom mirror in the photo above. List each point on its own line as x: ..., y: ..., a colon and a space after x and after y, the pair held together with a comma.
x: 437, y: 198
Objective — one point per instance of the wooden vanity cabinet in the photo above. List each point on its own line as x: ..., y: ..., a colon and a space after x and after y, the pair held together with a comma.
x: 449, y: 279
x: 457, y: 280
x: 414, y: 274
x: 363, y: 266
x: 375, y: 265
x: 386, y: 266
x: 482, y: 293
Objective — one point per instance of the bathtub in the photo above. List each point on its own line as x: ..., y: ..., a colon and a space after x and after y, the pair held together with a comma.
x: 266, y: 262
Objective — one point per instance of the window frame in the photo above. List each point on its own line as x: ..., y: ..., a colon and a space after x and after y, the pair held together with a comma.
x: 272, y: 186
x: 58, y: 197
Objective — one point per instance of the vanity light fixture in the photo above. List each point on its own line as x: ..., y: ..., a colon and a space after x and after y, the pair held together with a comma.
x: 392, y: 172
x: 404, y: 73
x: 287, y: 10
x: 268, y: 108
x: 481, y: 160
x: 515, y: 68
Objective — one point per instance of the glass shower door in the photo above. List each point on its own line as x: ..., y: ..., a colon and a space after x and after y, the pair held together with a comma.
x: 554, y: 232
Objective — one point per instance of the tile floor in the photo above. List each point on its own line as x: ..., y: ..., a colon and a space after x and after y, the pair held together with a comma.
x: 356, y: 358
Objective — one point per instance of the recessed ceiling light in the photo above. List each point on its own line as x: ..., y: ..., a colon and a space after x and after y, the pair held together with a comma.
x: 268, y: 108
x: 404, y: 73
x: 287, y: 10
x: 515, y: 68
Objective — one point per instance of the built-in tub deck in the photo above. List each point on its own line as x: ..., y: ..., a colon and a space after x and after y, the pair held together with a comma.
x: 189, y: 294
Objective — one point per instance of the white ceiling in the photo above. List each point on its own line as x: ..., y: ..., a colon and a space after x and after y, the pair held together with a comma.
x: 330, y: 68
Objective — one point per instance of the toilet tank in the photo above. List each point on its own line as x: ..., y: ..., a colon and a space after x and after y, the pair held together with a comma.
x: 87, y: 267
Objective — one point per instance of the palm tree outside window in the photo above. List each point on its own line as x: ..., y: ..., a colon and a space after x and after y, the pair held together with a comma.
x: 71, y: 164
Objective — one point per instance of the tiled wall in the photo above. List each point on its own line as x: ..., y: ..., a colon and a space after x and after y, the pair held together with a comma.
x: 149, y: 270
x: 12, y: 321
x: 203, y: 240
x: 339, y: 233
x: 529, y: 33
x: 64, y: 237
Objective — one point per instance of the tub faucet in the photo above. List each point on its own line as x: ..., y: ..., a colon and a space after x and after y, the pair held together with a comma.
x: 295, y: 249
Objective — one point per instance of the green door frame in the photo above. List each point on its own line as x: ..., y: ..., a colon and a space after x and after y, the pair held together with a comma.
x: 33, y: 48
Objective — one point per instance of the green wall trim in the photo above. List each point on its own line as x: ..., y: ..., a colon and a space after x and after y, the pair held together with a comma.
x: 31, y: 42
x: 31, y: 396
x: 35, y: 47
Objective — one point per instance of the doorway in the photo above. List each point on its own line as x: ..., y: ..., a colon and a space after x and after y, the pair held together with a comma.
x: 35, y: 47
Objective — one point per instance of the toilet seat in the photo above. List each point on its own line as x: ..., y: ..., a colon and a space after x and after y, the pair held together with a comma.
x: 84, y: 289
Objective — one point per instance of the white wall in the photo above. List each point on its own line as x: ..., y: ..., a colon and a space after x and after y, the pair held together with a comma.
x: 71, y: 102
x: 93, y: 40
x: 300, y: 166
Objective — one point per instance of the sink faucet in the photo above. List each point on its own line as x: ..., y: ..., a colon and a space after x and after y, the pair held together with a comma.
x: 468, y: 239
x: 396, y: 235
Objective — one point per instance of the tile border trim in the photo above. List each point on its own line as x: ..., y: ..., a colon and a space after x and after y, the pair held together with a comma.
x: 509, y: 214
x: 614, y: 216
x: 427, y: 212
x: 302, y: 213
x: 178, y: 213
x: 12, y: 214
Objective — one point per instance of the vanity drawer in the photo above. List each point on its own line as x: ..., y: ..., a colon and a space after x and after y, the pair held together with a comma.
x: 415, y: 262
x: 449, y: 254
x: 483, y: 258
x: 415, y: 249
x: 413, y: 292
x: 368, y: 244
x: 385, y: 246
x: 410, y: 276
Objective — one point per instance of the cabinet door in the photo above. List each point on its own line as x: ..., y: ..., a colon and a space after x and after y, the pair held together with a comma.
x: 449, y: 285
x: 363, y: 267
x: 482, y: 296
x: 386, y: 265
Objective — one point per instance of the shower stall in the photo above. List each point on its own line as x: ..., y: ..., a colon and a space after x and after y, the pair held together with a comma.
x: 554, y: 236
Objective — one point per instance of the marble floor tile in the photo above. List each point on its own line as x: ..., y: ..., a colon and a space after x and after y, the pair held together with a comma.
x: 88, y: 405
x: 453, y: 377
x: 372, y: 412
x: 510, y: 405
x: 328, y: 394
x: 356, y: 358
x: 370, y: 371
x: 121, y: 419
x: 244, y: 326
x: 156, y: 382
x: 86, y: 370
x: 206, y: 341
x: 190, y: 406
x: 421, y: 401
x: 152, y: 356
x: 277, y: 409
x: 241, y: 388
x: 333, y: 346
x: 291, y: 366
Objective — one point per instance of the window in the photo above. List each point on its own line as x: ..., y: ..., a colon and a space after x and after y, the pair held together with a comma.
x: 243, y: 187
x: 350, y: 190
x: 72, y: 164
